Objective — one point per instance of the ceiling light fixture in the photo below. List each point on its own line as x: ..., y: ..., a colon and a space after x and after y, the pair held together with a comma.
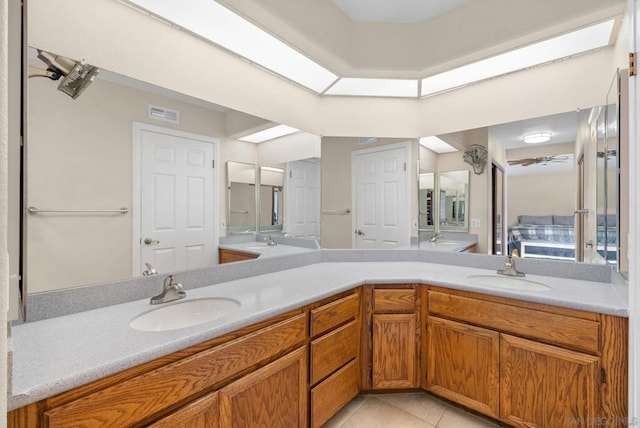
x: 566, y: 45
x: 219, y: 25
x: 269, y: 134
x: 375, y: 87
x: 538, y: 137
x: 435, y: 144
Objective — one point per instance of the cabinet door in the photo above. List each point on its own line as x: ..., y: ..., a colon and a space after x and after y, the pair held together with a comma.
x: 546, y: 386
x: 273, y: 396
x: 463, y: 364
x: 202, y: 413
x: 394, y: 351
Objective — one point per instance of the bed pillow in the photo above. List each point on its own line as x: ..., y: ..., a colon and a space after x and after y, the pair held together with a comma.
x: 535, y: 219
x: 563, y: 220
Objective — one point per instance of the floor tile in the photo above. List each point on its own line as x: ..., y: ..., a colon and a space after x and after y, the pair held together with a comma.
x: 454, y: 417
x: 422, y: 405
x: 376, y: 413
x: 346, y: 412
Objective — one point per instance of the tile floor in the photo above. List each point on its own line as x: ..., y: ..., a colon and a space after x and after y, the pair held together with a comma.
x: 412, y: 410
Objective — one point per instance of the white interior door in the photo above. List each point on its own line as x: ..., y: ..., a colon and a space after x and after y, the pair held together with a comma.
x: 176, y: 200
x: 381, y: 204
x: 302, y: 219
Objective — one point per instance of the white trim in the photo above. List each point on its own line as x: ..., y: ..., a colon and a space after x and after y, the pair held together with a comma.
x: 138, y: 127
x: 634, y: 224
x: 407, y: 154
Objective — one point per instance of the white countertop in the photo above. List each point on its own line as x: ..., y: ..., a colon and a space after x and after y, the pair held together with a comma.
x: 262, y: 250
x: 55, y: 355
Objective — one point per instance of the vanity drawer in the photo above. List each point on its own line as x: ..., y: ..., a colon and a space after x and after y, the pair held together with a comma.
x: 333, y: 350
x: 332, y: 394
x: 132, y: 401
x: 333, y: 314
x: 387, y: 300
x: 576, y: 333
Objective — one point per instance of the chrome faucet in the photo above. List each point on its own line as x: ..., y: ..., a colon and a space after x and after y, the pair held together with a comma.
x: 271, y: 242
x: 171, y: 291
x: 510, y: 268
x: 435, y: 237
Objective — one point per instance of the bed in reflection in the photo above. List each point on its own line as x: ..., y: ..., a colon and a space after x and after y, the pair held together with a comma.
x: 553, y: 237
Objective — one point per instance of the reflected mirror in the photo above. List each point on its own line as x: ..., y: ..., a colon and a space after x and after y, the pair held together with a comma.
x: 271, y: 199
x: 426, y: 201
x: 453, y: 200
x: 241, y: 188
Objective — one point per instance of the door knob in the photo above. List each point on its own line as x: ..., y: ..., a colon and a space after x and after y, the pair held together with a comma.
x: 150, y: 241
x: 359, y: 232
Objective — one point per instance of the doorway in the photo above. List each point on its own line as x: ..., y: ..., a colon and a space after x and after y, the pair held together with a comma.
x: 174, y: 200
x: 380, y: 197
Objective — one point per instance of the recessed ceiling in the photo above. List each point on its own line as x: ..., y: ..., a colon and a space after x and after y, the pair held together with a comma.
x: 395, y: 11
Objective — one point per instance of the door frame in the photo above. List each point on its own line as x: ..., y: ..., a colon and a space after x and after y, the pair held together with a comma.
x: 354, y: 154
x: 136, y: 238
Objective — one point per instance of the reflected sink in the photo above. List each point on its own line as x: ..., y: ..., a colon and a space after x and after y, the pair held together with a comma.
x: 184, y: 314
x: 508, y: 282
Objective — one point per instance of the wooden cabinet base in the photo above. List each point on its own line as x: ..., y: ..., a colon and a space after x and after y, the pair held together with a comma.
x: 333, y: 393
x: 273, y: 396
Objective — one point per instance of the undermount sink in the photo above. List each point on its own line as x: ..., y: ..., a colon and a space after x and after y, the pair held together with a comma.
x: 184, y: 314
x: 256, y: 247
x: 508, y: 282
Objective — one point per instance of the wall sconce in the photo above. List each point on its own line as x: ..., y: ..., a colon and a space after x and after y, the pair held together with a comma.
x: 476, y: 155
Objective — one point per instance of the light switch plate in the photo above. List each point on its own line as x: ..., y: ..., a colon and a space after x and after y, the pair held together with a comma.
x: 223, y: 223
x: 475, y: 222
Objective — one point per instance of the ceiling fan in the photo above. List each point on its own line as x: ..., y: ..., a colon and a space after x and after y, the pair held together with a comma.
x: 544, y: 160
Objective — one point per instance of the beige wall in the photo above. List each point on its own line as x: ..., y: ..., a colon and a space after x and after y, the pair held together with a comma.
x: 540, y: 194
x: 80, y: 157
x: 336, y: 186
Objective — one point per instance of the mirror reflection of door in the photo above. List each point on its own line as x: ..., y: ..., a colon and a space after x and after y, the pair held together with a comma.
x: 176, y: 199
x: 498, y: 209
x: 380, y: 191
x: 302, y: 219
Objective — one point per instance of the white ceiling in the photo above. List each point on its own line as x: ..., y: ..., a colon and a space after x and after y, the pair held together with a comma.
x: 395, y: 11
x: 563, y: 128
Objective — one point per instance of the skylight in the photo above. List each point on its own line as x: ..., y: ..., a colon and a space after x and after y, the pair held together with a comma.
x: 375, y: 87
x: 269, y: 134
x: 556, y: 48
x: 437, y: 145
x: 218, y: 24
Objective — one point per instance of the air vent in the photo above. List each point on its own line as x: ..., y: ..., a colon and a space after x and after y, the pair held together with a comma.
x: 164, y: 114
x: 367, y: 140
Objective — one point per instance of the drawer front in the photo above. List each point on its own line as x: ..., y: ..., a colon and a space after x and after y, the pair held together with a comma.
x: 333, y: 314
x: 202, y: 413
x: 131, y: 401
x: 575, y: 333
x: 331, y: 395
x: 394, y: 300
x: 333, y: 350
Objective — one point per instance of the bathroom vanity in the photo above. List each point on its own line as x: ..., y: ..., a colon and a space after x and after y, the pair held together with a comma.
x: 304, y: 341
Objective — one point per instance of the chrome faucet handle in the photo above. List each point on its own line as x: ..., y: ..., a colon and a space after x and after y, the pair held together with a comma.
x: 510, y: 268
x: 171, y: 291
x: 150, y: 270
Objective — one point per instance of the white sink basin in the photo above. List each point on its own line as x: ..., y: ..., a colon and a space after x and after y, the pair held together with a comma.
x: 256, y: 247
x: 508, y: 282
x: 184, y: 314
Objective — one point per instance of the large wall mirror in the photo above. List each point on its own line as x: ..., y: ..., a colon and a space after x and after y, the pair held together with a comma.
x: 271, y: 199
x: 541, y: 191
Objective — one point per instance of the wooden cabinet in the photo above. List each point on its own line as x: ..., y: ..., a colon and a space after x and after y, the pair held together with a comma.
x: 273, y: 396
x: 547, y: 386
x: 392, y: 344
x: 173, y: 389
x: 202, y: 413
x: 230, y: 256
x: 463, y: 364
x: 334, y: 356
x: 528, y: 364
